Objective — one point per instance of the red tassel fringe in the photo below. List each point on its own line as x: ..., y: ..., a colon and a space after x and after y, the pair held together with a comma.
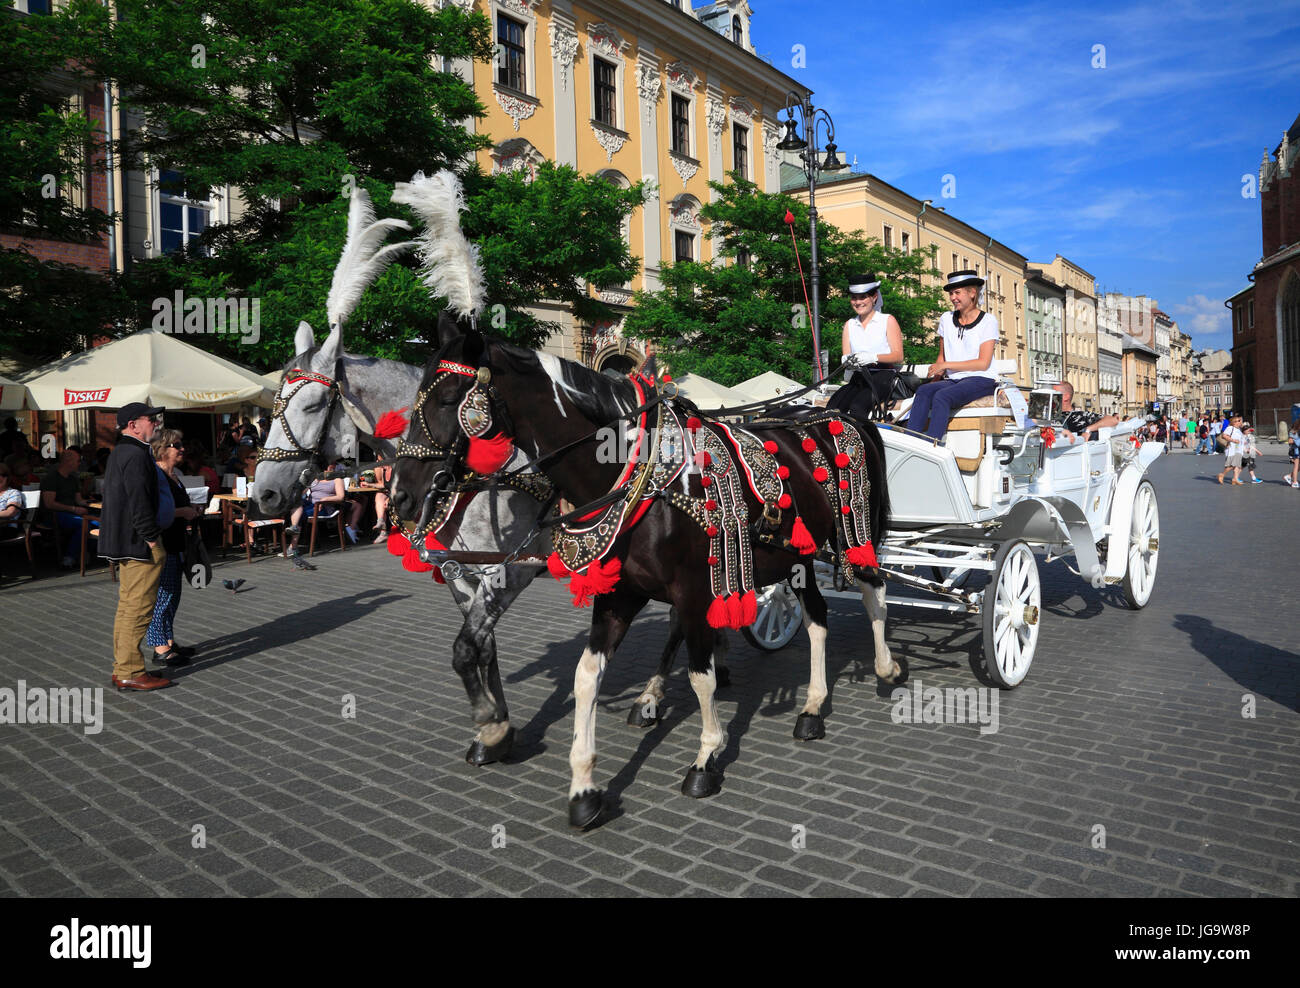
x: 802, y: 539
x: 555, y: 565
x: 863, y: 555
x: 733, y: 611
x: 391, y: 424
x: 597, y: 580
x: 438, y: 577
x: 487, y: 456
x: 717, y: 615
x: 411, y: 561
x: 748, y: 609
x: 398, y: 543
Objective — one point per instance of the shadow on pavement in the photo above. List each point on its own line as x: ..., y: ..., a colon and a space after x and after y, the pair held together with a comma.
x: 1258, y: 668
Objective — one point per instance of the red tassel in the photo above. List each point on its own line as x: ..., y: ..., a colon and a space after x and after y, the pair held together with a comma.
x: 734, y: 611
x: 782, y: 472
x: 809, y: 444
x: 556, y: 567
x: 712, y: 560
x: 835, y: 428
x: 431, y: 542
x: 844, y: 485
x: 845, y: 509
x: 710, y: 505
x: 706, y: 458
x: 398, y: 543
x: 783, y: 501
x: 711, y: 531
x: 666, y: 377
x: 801, y: 538
x: 692, y: 423
x: 789, y: 216
x: 770, y: 446
x: 438, y: 577
x: 717, y: 614
x: 487, y: 456
x: 820, y: 474
x: 748, y: 609
x: 601, y: 579
x: 391, y: 424
x: 411, y: 561
x: 706, y: 481
x: 841, y: 460
x: 863, y: 555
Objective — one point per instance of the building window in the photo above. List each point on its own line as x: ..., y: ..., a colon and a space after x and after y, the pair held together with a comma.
x: 742, y: 258
x: 183, y: 212
x: 737, y: 33
x: 954, y: 261
x: 1290, y: 326
x: 684, y: 246
x: 681, y: 125
x: 511, y: 54
x: 907, y: 243
x: 33, y: 6
x: 1250, y: 314
x: 965, y: 264
x: 606, y: 91
x: 740, y: 149
x: 889, y: 236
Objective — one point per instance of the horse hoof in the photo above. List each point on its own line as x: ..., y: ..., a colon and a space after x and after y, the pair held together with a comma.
x: 723, y: 676
x: 485, y: 754
x: 810, y: 727
x: 643, y: 715
x: 585, y: 808
x: 702, y: 782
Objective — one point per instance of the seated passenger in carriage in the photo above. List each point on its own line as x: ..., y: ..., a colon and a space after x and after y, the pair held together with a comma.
x: 967, y: 337
x: 873, y: 342
x: 1076, y: 421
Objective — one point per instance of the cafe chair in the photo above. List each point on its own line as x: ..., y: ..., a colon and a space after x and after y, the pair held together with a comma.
x: 239, y: 518
x: 335, y: 515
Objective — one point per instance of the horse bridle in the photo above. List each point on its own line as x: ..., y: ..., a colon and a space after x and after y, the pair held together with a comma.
x: 297, y: 451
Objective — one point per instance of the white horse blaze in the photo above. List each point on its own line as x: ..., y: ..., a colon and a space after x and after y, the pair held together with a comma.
x: 586, y: 687
x: 712, y: 737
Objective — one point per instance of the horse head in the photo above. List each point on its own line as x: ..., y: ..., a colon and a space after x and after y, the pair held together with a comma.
x: 306, y: 422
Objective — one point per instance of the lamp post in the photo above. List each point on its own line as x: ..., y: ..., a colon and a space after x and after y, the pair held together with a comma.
x: 812, y: 119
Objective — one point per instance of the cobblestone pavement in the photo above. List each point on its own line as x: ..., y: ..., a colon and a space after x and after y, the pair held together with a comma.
x: 1129, y: 721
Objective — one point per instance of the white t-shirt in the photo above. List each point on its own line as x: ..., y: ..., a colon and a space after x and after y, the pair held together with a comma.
x: 960, y: 345
x: 871, y: 339
x: 1237, y: 437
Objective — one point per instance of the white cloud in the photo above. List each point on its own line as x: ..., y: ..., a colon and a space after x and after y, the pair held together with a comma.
x: 1201, y: 316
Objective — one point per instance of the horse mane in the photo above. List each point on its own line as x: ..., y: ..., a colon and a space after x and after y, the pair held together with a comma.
x: 597, y: 396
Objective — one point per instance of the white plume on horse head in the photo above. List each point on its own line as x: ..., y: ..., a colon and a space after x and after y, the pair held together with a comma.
x: 363, y: 261
x: 451, y: 268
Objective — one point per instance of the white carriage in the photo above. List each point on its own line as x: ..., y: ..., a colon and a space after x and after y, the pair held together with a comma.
x: 984, y: 502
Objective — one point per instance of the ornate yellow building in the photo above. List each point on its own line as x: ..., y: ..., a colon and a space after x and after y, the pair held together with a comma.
x: 873, y: 207
x: 1081, y: 358
x: 630, y: 90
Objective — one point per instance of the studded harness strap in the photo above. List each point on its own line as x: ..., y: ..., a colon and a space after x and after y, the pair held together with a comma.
x: 297, y: 451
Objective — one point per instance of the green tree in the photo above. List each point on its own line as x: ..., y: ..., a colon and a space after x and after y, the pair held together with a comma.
x: 734, y: 321
x: 47, y: 150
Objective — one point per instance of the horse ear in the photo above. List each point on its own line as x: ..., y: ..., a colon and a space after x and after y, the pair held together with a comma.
x: 329, y: 350
x: 304, y: 340
x: 448, y: 328
x: 475, y: 347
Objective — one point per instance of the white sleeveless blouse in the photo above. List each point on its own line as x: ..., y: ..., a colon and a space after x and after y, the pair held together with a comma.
x: 871, y: 339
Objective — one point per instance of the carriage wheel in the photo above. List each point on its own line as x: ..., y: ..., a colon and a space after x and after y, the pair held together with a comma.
x: 1144, y: 547
x: 780, y: 615
x: 1011, y: 608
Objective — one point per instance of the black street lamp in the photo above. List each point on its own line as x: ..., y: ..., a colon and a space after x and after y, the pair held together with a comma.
x: 809, y: 150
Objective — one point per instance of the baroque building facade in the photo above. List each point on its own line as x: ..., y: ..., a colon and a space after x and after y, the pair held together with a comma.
x: 1080, y: 354
x: 1045, y: 319
x: 651, y: 90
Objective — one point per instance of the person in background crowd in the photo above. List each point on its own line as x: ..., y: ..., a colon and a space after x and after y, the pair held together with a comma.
x: 1216, y: 427
x: 12, y: 440
x: 100, y: 462
x: 1189, y: 430
x: 383, y: 475
x: 61, y: 499
x: 195, y: 464
x: 321, y: 492
x: 131, y: 535
x: 1236, y: 441
x: 174, y: 516
x: 20, y: 470
x: 239, y: 457
x: 1203, y: 437
x: 1248, y: 453
x: 12, y: 503
x: 263, y: 427
x: 1293, y: 452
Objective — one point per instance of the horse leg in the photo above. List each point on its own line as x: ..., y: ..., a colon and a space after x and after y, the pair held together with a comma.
x: 704, y: 777
x: 810, y: 725
x: 474, y: 657
x: 612, y: 616
x: 644, y: 711
x: 873, y: 598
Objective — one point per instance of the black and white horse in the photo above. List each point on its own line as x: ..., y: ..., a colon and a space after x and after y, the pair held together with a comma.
x: 556, y: 410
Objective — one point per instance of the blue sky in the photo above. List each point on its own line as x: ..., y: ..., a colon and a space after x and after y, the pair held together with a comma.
x: 1134, y: 170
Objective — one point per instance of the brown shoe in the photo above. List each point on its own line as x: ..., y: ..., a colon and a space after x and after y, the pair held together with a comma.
x: 142, y: 681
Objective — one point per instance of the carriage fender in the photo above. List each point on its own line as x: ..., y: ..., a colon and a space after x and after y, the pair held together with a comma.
x: 1052, y: 521
x: 1120, y: 523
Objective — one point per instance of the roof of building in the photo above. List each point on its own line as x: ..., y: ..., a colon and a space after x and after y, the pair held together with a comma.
x: 1132, y: 343
x: 1293, y: 133
x: 1215, y: 360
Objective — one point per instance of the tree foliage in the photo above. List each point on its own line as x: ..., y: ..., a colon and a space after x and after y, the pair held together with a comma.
x: 733, y: 321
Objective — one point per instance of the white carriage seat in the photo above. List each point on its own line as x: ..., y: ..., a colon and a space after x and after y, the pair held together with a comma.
x: 987, y: 416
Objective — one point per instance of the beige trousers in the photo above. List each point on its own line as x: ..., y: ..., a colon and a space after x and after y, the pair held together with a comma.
x: 137, y: 591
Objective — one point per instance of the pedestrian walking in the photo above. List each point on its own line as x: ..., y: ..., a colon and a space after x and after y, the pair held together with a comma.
x: 130, y: 535
x: 174, y: 515
x: 1236, y: 441
x: 1189, y: 430
x: 1248, y: 453
x: 1203, y: 437
x: 1293, y: 451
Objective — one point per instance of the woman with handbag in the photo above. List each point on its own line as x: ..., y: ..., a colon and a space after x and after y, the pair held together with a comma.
x: 872, y: 341
x: 174, y: 516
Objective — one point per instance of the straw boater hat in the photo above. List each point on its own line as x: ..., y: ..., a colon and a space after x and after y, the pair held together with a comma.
x: 860, y: 284
x: 959, y: 279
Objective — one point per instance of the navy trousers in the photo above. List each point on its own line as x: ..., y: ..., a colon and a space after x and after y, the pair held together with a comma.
x: 935, y: 402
